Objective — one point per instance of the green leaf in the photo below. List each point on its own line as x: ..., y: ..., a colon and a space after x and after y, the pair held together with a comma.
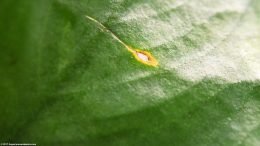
x: 65, y: 81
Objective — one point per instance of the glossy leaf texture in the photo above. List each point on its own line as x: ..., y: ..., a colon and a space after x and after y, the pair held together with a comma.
x: 64, y: 81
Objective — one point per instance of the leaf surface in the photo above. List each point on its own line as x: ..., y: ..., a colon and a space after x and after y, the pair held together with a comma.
x: 66, y: 82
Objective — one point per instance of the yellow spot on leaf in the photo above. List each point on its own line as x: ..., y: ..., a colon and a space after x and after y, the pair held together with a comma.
x: 140, y: 55
x: 143, y: 57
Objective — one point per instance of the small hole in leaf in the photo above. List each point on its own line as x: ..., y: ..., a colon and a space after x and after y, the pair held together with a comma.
x: 142, y: 56
x: 145, y: 57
